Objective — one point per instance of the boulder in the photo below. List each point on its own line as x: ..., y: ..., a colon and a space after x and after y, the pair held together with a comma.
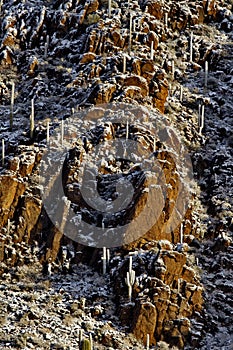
x: 92, y: 6
x: 88, y: 57
x: 152, y: 37
x: 155, y: 8
x: 135, y: 80
x: 144, y: 321
x: 102, y: 93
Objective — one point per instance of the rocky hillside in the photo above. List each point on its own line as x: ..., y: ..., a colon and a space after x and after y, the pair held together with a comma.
x: 77, y: 75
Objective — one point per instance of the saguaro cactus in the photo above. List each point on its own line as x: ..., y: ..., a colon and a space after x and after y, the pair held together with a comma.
x: 124, y: 64
x: 127, y: 130
x: 80, y: 336
x: 165, y: 19
x: 62, y: 132
x: 46, y: 46
x: 86, y: 345
x: 130, y: 32
x: 181, y: 233
x: 91, y: 340
x: 105, y: 258
x: 201, y: 119
x: 130, y: 279
x: 12, y: 105
x: 8, y: 226
x: 47, y: 134
x: 181, y: 93
x: 206, y: 74
x: 152, y: 50
x: 109, y: 7
x: 134, y: 25
x: 108, y: 255
x: 173, y: 69
x: 147, y: 341
x: 3, y: 152
x: 191, y: 48
x: 199, y: 113
x: 32, y: 125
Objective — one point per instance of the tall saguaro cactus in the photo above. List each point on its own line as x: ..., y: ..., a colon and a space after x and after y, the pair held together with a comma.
x: 46, y: 47
x: 130, y: 279
x: 127, y: 130
x: 47, y: 133
x: 124, y: 64
x: 181, y: 233
x: 109, y: 7
x: 173, y: 70
x: 181, y: 93
x: 147, y: 341
x: 32, y: 116
x: 134, y: 25
x: 3, y: 152
x: 165, y: 19
x: 91, y: 341
x: 105, y: 258
x: 130, y: 32
x: 191, y: 48
x: 201, y: 119
x: 206, y: 73
x: 152, y: 50
x: 80, y: 336
x: 62, y: 132
x: 12, y: 104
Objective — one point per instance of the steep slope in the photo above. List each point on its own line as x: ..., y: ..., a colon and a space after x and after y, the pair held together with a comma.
x: 65, y: 57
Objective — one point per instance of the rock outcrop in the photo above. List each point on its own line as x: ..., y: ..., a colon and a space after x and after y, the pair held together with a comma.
x: 166, y: 293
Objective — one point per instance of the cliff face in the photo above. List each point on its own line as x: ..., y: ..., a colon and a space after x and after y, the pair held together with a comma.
x: 79, y: 62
